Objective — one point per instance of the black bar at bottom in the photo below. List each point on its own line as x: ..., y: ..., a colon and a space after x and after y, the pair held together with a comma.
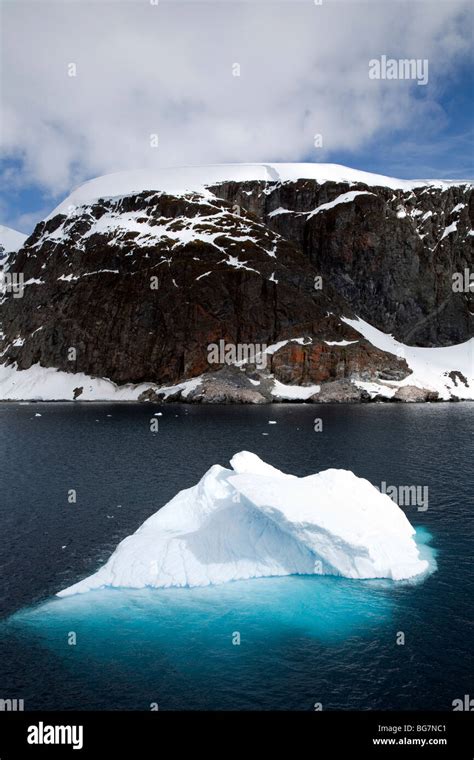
x: 151, y: 734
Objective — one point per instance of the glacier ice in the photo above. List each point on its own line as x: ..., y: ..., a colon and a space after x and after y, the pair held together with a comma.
x: 253, y: 521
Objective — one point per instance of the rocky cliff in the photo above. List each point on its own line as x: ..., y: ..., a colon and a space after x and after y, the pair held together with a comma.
x: 137, y: 286
x: 390, y: 253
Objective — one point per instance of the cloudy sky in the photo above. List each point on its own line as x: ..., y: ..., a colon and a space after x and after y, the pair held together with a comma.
x: 167, y: 68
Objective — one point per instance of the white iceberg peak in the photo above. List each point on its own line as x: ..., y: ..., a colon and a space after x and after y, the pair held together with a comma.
x: 246, y: 462
x: 254, y: 521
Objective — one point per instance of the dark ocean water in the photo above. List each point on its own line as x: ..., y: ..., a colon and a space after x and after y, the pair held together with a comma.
x: 303, y: 640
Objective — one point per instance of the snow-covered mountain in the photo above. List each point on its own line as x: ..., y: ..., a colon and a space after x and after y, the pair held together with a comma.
x: 185, y: 179
x: 10, y: 241
x: 341, y: 280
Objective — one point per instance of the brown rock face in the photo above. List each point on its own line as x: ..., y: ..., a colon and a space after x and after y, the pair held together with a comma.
x: 390, y: 254
x: 322, y: 363
x: 147, y: 309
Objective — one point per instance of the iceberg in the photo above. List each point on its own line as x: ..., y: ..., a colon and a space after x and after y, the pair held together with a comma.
x: 254, y: 521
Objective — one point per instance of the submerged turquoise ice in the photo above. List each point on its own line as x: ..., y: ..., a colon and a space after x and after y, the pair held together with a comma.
x: 209, y: 647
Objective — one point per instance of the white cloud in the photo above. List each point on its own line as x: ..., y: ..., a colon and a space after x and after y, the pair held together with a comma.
x: 167, y: 69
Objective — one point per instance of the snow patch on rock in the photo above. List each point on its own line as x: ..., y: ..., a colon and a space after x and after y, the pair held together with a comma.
x: 431, y: 367
x: 49, y: 384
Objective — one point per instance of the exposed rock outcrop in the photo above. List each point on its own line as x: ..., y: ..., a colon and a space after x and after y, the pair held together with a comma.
x: 411, y: 394
x: 340, y: 392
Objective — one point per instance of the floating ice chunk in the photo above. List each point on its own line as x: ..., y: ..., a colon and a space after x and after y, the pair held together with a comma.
x: 254, y: 521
